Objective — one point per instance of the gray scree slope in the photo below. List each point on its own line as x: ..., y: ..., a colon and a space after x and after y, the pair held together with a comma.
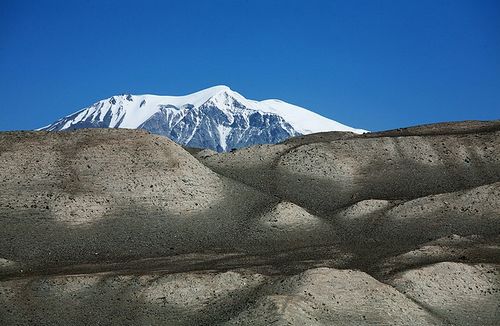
x: 122, y: 227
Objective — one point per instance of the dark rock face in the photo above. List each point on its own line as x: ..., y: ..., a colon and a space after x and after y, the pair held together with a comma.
x: 122, y: 227
x: 196, y: 128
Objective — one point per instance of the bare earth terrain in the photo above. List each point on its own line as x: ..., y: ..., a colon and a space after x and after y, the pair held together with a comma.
x: 121, y: 227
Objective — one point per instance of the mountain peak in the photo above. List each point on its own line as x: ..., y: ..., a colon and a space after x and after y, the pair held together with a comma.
x: 210, y: 92
x: 220, y: 88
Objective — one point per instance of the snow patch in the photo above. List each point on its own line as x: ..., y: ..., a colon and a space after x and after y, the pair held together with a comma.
x: 223, y: 133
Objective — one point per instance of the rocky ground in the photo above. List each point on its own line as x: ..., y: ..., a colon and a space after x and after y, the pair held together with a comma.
x: 120, y: 227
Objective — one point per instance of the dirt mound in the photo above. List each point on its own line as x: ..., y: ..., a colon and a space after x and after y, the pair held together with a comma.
x: 458, y: 293
x: 106, y: 195
x: 327, y: 175
x: 321, y: 296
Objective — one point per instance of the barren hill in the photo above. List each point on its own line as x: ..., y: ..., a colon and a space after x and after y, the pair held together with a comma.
x: 106, y: 226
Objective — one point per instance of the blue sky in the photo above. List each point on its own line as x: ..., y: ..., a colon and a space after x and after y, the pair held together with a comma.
x: 369, y: 64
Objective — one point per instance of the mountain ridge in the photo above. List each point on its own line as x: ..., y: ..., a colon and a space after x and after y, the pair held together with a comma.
x: 217, y: 118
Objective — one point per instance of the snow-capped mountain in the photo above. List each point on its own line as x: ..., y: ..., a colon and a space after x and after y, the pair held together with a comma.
x: 217, y: 118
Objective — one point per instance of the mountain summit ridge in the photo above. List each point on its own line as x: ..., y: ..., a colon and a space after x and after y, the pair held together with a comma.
x: 217, y: 118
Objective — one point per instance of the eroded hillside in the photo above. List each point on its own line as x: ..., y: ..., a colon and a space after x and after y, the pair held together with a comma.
x: 105, y: 226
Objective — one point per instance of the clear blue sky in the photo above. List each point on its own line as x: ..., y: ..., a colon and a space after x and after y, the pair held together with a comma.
x: 370, y: 64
